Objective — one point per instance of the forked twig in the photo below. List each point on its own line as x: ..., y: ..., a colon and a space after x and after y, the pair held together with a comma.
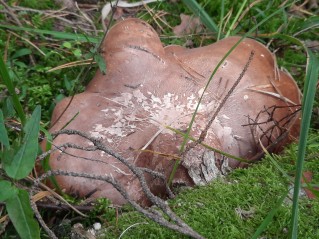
x: 174, y: 221
x: 221, y: 105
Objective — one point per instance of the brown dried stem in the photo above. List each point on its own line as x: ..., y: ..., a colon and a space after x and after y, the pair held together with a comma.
x: 175, y: 222
x: 220, y: 106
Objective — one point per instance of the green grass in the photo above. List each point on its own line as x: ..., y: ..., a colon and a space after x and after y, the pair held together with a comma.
x: 34, y: 83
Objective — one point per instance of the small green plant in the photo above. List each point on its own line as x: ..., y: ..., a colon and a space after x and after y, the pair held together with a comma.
x: 103, y: 210
x: 17, y: 159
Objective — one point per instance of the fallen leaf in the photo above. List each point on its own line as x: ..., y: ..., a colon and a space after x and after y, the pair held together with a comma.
x: 313, y: 45
x: 307, y: 178
x: 189, y: 25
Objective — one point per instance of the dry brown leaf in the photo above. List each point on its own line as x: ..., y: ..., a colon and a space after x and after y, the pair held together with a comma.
x: 189, y: 25
x: 313, y: 45
x: 307, y: 178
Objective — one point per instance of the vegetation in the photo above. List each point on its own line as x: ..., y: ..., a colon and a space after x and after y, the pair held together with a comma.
x: 232, y: 207
x: 46, y: 58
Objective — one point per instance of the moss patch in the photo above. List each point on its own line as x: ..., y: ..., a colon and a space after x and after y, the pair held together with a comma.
x: 232, y: 207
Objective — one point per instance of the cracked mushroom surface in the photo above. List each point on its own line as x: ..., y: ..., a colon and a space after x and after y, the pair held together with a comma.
x: 148, y: 86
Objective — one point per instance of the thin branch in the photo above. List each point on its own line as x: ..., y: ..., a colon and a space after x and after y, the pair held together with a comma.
x: 220, y: 106
x: 39, y: 217
x: 157, y: 217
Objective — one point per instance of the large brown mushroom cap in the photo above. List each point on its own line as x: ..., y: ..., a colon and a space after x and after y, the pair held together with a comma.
x: 147, y: 87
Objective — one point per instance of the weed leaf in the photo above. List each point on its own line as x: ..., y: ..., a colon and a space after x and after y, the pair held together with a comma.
x: 7, y: 190
x: 21, y: 52
x: 100, y: 62
x: 24, y: 159
x: 21, y: 215
x: 3, y: 132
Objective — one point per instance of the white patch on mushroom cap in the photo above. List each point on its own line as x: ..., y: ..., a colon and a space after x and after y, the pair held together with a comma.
x: 225, y: 116
x: 139, y: 96
x: 200, y: 92
x: 224, y: 134
x: 166, y: 110
x: 125, y: 99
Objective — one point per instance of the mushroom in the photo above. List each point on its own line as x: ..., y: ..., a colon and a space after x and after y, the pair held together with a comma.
x: 148, y: 87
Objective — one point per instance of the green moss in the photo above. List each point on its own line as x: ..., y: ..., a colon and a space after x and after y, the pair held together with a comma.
x: 214, y: 210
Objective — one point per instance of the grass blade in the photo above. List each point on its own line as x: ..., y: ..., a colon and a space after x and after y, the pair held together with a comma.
x: 59, y: 35
x: 274, y: 162
x: 202, y: 14
x: 269, y: 217
x: 309, y: 24
x: 3, y: 132
x: 236, y: 18
x: 221, y: 21
x: 209, y: 147
x: 288, y: 38
x: 4, y: 75
x: 307, y: 105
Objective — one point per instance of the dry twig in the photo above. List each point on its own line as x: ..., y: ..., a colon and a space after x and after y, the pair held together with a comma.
x: 220, y: 106
x: 174, y: 223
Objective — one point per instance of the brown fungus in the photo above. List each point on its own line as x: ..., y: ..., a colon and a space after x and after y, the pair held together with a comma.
x: 147, y: 87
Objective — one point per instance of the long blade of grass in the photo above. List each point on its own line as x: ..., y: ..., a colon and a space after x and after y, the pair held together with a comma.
x: 221, y: 21
x: 236, y: 18
x: 202, y: 14
x: 4, y: 75
x: 269, y: 217
x: 288, y: 38
x: 309, y: 24
x: 4, y: 139
x: 45, y: 163
x: 209, y: 147
x: 59, y: 35
x: 270, y: 157
x: 312, y: 74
